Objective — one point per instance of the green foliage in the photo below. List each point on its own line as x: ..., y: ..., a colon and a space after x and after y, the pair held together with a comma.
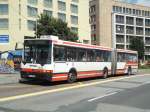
x: 144, y: 67
x: 138, y: 45
x: 47, y: 25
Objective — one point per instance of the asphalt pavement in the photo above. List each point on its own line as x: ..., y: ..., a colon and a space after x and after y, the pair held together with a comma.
x: 117, y: 94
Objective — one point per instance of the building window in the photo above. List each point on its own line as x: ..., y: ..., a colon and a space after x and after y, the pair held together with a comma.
x: 48, y: 3
x: 93, y: 9
x: 130, y: 30
x: 86, y: 42
x: 130, y: 11
x: 117, y: 9
x: 127, y: 10
x: 124, y: 10
x: 143, y: 13
x: 120, y: 46
x: 147, y: 40
x: 93, y: 27
x: 139, y: 31
x: 74, y: 29
x: 92, y: 18
x: 129, y: 20
x: 119, y: 29
x: 62, y: 16
x: 120, y: 38
x: 33, y: 2
x: 61, y: 6
x: 129, y: 38
x: 3, y: 23
x: 74, y: 9
x: 47, y: 12
x: 19, y: 24
x: 19, y: 9
x: 32, y: 12
x: 147, y: 22
x: 74, y: 20
x: 119, y: 19
x: 147, y: 31
x: 3, y: 9
x: 31, y: 25
x: 76, y: 1
x: 139, y: 21
x: 133, y: 11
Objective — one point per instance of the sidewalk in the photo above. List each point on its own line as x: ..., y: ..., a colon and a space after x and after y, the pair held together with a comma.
x: 9, y: 78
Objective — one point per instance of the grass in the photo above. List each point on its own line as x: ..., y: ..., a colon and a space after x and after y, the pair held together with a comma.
x: 145, y: 69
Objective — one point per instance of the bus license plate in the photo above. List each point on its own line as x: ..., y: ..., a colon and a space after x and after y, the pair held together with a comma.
x: 31, y: 76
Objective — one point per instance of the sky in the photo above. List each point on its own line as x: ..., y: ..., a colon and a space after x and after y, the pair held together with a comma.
x: 142, y: 2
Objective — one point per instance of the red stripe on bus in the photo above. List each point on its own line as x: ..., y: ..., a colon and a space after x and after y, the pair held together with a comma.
x: 35, y: 70
x: 59, y: 77
x: 89, y: 46
x: 88, y: 74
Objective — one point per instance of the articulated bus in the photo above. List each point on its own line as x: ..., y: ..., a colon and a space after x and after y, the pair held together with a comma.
x: 51, y: 59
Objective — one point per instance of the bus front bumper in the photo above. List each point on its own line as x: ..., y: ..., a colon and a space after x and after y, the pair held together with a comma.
x: 47, y: 76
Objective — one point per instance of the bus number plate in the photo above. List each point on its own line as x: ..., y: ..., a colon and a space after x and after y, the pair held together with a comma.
x: 31, y: 76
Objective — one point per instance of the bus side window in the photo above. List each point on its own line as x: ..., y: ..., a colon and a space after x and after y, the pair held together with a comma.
x: 121, y: 57
x: 82, y: 55
x: 91, y: 55
x: 71, y: 54
x: 99, y: 56
x: 59, y: 53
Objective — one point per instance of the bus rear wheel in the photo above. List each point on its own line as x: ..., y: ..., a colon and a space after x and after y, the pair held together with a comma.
x: 72, y: 77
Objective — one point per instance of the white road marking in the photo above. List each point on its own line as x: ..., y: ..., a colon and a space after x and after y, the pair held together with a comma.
x: 10, y: 98
x: 100, y: 97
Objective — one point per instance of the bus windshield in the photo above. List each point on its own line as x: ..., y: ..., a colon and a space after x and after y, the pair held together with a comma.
x: 37, y: 52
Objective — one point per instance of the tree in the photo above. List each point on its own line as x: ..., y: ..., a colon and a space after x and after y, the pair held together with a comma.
x: 47, y: 25
x: 138, y: 45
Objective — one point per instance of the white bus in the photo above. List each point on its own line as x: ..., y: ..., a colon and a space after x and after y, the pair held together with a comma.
x: 124, y: 62
x: 51, y: 59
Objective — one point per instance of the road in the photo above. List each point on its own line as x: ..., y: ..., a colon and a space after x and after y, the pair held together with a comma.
x: 115, y: 94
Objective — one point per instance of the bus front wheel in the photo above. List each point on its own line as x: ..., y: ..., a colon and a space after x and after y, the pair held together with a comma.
x: 72, y: 77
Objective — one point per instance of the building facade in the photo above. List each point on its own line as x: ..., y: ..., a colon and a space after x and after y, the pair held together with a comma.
x: 18, y: 18
x: 115, y: 23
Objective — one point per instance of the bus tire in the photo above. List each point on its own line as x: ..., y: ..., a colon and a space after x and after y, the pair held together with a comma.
x: 129, y: 71
x: 72, y: 77
x: 105, y: 73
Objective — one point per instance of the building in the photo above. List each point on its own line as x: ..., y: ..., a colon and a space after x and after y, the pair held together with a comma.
x: 18, y: 18
x: 115, y: 23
